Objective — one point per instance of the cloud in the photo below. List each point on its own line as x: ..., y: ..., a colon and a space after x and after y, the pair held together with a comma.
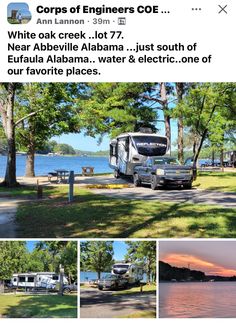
x: 197, y: 263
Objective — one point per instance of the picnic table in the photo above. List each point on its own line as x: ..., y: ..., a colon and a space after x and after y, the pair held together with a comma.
x: 60, y: 174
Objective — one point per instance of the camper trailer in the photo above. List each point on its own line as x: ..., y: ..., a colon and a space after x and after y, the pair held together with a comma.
x: 130, y: 271
x: 132, y: 149
x: 47, y: 280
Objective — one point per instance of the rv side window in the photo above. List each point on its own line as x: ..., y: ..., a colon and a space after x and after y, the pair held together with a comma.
x: 15, y: 279
x: 55, y: 277
x: 31, y: 279
x: 113, y: 150
x: 21, y: 279
x: 127, y: 144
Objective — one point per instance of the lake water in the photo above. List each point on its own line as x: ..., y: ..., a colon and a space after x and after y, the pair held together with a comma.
x: 89, y: 275
x: 205, y: 300
x: 45, y: 164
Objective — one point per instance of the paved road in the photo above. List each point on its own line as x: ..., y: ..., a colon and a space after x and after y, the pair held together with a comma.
x: 98, y: 304
x: 195, y: 196
x: 8, y: 209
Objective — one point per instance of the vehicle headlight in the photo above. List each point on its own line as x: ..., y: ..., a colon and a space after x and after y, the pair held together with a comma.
x: 160, y: 172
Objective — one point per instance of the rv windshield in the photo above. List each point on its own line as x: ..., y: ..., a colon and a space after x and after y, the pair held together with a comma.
x: 150, y: 145
x: 166, y: 161
x: 121, y: 266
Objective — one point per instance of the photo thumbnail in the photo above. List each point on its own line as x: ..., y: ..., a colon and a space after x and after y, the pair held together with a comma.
x: 38, y: 279
x: 197, y: 279
x: 18, y: 13
x: 118, y: 160
x: 118, y: 279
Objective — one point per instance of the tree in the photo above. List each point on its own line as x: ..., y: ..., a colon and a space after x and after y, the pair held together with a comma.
x: 64, y: 149
x: 7, y: 100
x: 60, y: 253
x: 143, y: 252
x: 114, y: 108
x: 162, y: 95
x: 97, y: 256
x: 52, y: 106
x: 208, y: 110
x: 13, y: 258
x: 180, y: 93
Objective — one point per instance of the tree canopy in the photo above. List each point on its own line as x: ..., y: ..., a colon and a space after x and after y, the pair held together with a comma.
x: 46, y: 256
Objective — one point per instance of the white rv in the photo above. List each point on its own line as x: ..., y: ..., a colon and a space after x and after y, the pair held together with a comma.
x: 47, y: 280
x: 132, y: 272
x: 131, y: 149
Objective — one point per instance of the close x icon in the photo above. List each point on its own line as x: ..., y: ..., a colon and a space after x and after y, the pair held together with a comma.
x: 223, y: 8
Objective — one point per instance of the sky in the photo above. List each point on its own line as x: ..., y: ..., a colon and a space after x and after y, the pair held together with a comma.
x: 16, y: 6
x: 81, y: 142
x: 120, y: 249
x: 211, y: 257
x: 30, y: 245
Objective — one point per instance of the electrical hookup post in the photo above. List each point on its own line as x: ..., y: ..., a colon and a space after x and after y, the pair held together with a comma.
x: 107, y: 40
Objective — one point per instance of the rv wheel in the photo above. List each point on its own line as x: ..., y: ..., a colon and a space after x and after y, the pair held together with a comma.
x: 116, y: 174
x: 137, y: 181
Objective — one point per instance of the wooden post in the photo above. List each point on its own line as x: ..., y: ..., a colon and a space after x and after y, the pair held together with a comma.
x: 61, y: 275
x: 39, y: 190
x: 71, y: 186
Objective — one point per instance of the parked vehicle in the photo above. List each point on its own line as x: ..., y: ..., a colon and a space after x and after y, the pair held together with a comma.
x: 112, y: 281
x: 130, y: 271
x: 70, y: 288
x: 47, y: 280
x: 131, y: 149
x: 163, y: 171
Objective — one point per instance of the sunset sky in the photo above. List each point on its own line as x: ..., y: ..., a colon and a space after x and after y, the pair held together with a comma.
x: 212, y: 257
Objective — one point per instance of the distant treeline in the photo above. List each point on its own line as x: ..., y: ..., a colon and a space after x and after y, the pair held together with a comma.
x: 170, y: 273
x: 57, y: 148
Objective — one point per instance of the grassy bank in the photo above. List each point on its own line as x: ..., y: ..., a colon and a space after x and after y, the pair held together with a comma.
x: 91, y: 216
x: 45, y: 306
x: 146, y: 289
x: 225, y: 182
x: 143, y: 314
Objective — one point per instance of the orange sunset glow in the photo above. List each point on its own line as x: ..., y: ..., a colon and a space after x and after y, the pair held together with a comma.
x: 197, y: 263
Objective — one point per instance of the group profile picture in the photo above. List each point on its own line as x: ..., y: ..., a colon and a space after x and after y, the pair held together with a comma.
x: 18, y: 13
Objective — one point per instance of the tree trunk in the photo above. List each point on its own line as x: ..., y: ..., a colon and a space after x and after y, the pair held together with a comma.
x: 180, y: 92
x: 99, y: 274
x: 10, y: 175
x: 29, y: 169
x: 166, y: 114
x: 168, y: 131
x: 213, y: 156
x: 222, y: 159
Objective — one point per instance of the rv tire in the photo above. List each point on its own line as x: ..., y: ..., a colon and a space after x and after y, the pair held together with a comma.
x: 153, y: 182
x: 116, y: 174
x: 137, y: 181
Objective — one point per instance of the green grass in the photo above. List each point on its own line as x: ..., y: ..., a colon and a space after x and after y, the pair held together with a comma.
x: 43, y: 306
x: 225, y: 182
x: 97, y: 216
x: 147, y: 289
x: 143, y: 314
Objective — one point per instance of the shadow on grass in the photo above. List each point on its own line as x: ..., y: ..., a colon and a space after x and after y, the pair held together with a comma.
x: 94, y: 216
x: 43, y: 307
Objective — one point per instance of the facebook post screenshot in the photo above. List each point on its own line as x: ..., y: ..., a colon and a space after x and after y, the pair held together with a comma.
x: 117, y: 160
